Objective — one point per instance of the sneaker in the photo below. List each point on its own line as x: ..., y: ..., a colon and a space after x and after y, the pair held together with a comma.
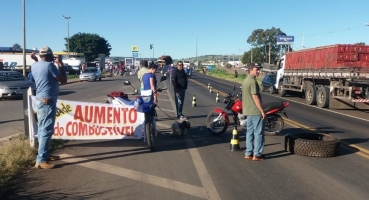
x: 44, y: 165
x: 258, y: 158
x: 53, y: 158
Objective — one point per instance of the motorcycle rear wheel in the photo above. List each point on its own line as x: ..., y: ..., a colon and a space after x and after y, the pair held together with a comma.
x: 221, y: 125
x: 276, y: 124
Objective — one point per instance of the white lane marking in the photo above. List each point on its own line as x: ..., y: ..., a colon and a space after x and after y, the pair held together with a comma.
x: 138, y: 176
x: 335, y: 112
x: 201, y: 170
x: 205, y: 178
x: 170, y: 98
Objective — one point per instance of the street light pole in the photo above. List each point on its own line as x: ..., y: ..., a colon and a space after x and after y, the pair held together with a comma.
x: 67, y: 18
x: 24, y: 37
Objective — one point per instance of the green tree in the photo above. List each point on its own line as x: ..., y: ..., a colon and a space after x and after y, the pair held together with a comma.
x: 91, y: 45
x: 265, y: 39
x: 257, y: 56
x: 16, y: 46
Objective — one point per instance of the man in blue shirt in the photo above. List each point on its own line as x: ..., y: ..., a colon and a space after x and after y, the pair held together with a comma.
x: 47, y: 77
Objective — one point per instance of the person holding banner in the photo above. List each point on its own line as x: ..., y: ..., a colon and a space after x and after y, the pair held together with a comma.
x: 47, y: 77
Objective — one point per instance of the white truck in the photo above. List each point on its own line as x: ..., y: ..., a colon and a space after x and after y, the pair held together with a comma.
x: 335, y: 76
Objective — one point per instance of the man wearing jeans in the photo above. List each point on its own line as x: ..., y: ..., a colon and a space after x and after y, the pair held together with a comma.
x: 46, y: 76
x: 251, y: 107
x: 179, y: 80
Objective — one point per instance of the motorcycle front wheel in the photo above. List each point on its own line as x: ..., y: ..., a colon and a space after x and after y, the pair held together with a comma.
x: 149, y: 132
x: 273, y: 124
x: 215, y: 123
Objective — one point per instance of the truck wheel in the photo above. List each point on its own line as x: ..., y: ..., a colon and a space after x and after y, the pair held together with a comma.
x: 312, y: 144
x: 310, y: 95
x: 281, y: 91
x: 322, y: 97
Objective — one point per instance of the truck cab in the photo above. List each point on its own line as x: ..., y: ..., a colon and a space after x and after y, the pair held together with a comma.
x: 280, y: 72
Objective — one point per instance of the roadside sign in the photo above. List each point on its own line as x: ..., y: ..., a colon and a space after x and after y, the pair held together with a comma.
x: 285, y: 39
x: 134, y: 48
x: 134, y: 54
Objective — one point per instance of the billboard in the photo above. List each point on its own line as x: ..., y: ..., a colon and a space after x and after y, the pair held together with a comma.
x: 285, y: 39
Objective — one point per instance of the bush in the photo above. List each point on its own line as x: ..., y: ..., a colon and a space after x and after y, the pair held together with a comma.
x: 15, y: 155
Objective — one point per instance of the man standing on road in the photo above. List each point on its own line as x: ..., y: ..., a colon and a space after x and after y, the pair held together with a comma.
x: 179, y: 80
x: 251, y: 107
x: 141, y: 72
x: 46, y: 76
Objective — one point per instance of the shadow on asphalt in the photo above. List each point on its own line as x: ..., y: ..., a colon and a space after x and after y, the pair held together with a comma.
x: 14, y: 120
x: 16, y: 191
x: 62, y: 93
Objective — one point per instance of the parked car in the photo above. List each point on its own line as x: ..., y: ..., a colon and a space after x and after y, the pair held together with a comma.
x: 90, y: 74
x: 267, y: 84
x: 74, y: 69
x: 13, y: 84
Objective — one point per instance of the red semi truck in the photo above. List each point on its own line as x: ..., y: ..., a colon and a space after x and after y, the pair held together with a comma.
x: 335, y: 76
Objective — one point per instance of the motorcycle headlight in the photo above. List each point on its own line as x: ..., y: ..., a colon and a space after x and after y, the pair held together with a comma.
x: 146, y: 99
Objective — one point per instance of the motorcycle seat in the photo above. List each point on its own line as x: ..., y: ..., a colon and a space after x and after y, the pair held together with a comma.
x: 272, y: 105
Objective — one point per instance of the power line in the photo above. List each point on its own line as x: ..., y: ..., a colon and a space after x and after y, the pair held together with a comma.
x: 336, y: 31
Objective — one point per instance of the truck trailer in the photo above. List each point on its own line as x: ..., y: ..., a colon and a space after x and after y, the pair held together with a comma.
x: 335, y: 76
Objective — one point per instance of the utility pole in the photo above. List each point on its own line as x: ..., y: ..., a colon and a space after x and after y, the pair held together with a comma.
x: 302, y: 46
x: 251, y: 55
x: 197, y: 60
x: 24, y: 37
x: 269, y: 54
x: 67, y: 18
x: 152, y: 47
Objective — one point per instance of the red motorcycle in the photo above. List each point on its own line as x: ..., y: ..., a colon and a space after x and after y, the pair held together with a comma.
x: 217, y: 121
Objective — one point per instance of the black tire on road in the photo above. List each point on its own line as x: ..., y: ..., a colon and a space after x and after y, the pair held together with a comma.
x: 312, y: 144
x: 310, y: 95
x: 281, y: 91
x: 322, y: 97
x: 271, y: 90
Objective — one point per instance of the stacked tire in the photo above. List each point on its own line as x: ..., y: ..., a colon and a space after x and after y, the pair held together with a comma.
x: 312, y: 144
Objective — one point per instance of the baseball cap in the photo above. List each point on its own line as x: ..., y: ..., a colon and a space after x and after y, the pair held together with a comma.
x: 254, y: 65
x: 46, y: 51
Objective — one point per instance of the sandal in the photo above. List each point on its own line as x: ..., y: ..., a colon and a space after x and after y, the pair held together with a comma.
x: 258, y: 158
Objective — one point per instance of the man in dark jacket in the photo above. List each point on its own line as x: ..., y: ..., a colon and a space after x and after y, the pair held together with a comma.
x: 179, y: 80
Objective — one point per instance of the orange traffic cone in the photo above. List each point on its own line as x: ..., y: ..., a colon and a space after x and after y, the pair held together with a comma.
x: 234, y: 145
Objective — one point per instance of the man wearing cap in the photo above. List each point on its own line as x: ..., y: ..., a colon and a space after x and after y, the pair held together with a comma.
x: 251, y: 107
x: 47, y: 77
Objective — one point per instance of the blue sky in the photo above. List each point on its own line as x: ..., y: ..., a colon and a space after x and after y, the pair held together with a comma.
x: 221, y: 27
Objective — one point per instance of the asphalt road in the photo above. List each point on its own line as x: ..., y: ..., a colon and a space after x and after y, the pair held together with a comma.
x: 199, y: 166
